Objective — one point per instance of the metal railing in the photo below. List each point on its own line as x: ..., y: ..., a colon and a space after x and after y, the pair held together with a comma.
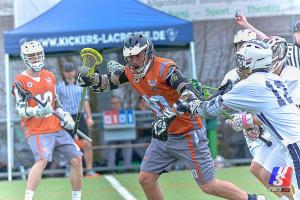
x: 143, y: 121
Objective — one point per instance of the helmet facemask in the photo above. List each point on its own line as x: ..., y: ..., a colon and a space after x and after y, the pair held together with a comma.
x: 241, y: 67
x: 33, y: 55
x: 279, y: 55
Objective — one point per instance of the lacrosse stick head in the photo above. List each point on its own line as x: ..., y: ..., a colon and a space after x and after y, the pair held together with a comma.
x: 208, y: 91
x: 26, y: 95
x: 91, y: 58
x: 114, y: 67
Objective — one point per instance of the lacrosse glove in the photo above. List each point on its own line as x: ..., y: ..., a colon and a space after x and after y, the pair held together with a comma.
x: 240, y: 121
x: 68, y: 122
x: 161, y: 125
x: 39, y: 110
x: 84, y: 80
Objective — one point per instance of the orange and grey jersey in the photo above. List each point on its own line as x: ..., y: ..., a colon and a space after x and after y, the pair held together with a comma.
x: 43, y: 89
x: 161, y: 87
x: 157, y: 91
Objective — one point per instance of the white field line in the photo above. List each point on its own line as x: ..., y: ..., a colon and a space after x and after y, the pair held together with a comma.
x: 120, y: 189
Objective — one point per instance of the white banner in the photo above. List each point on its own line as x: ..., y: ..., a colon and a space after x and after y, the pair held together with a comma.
x: 222, y: 9
x: 26, y: 10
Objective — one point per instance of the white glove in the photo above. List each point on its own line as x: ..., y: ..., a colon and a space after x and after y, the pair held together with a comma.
x: 240, y: 121
x: 251, y: 133
x: 68, y: 122
x: 40, y: 111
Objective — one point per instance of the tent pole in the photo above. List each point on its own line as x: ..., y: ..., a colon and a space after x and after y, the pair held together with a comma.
x: 8, y: 120
x: 193, y: 59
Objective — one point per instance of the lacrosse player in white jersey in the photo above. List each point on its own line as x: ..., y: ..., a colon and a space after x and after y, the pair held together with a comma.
x: 258, y: 149
x: 263, y: 94
x: 266, y: 158
x: 240, y: 38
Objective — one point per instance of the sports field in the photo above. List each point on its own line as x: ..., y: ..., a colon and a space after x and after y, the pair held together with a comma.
x: 177, y: 185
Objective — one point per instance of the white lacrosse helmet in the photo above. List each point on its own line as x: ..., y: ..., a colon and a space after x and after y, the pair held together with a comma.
x: 33, y: 55
x: 279, y: 48
x: 243, y: 36
x: 136, y: 44
x: 253, y: 56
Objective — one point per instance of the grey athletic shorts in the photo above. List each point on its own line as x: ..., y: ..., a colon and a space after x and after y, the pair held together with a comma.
x: 191, y: 147
x: 58, y: 146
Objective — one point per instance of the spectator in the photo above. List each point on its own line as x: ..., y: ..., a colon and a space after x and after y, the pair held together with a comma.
x: 69, y: 94
x: 116, y: 104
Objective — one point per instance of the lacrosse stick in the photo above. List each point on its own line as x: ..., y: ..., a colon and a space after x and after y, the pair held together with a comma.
x: 91, y: 58
x: 212, y: 92
x: 26, y: 95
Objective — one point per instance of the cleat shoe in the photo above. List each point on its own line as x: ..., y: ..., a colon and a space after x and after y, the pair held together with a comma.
x: 260, y: 197
x: 91, y: 174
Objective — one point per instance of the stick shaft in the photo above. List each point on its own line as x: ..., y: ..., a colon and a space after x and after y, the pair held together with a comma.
x: 78, y: 116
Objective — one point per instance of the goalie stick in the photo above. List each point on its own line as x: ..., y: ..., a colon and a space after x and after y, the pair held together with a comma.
x: 26, y: 95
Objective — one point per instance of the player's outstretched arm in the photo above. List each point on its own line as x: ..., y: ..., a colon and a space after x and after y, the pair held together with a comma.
x: 101, y: 82
x: 241, y: 20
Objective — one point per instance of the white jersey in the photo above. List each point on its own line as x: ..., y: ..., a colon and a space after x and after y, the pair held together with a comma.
x: 233, y: 76
x: 291, y: 77
x: 266, y: 96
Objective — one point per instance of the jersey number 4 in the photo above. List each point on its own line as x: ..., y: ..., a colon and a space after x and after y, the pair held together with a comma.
x: 282, y: 99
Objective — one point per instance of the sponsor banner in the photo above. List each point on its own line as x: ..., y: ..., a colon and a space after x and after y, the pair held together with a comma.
x: 76, y: 41
x: 224, y: 9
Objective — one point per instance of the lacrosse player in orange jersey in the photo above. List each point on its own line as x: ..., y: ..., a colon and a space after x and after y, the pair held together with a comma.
x: 176, y: 135
x: 44, y: 132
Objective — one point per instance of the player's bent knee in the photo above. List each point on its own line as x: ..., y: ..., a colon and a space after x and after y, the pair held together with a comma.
x: 209, y: 188
x: 146, y: 179
x: 77, y: 161
x: 43, y: 162
x: 255, y: 169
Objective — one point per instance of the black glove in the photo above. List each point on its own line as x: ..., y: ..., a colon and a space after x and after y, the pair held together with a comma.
x: 84, y: 80
x: 161, y: 125
x: 226, y: 87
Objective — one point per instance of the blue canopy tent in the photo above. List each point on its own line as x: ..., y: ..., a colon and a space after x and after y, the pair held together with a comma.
x: 74, y: 24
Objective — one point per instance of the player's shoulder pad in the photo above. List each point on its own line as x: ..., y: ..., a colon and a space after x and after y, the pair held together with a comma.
x: 163, y: 64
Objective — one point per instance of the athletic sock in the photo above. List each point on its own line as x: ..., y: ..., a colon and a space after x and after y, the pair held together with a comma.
x: 28, y: 194
x: 251, y: 197
x: 284, y: 198
x: 76, y: 195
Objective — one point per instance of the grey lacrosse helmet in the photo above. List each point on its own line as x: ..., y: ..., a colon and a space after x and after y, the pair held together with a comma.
x: 138, y: 45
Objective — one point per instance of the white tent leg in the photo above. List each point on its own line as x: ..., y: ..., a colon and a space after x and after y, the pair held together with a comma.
x: 8, y: 118
x: 193, y: 60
